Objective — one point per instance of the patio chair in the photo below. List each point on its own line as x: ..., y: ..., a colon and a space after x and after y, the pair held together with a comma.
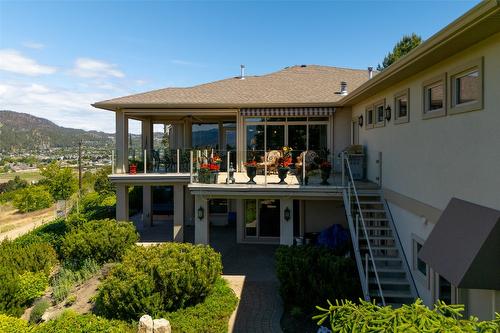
x: 271, y: 162
x: 311, y: 157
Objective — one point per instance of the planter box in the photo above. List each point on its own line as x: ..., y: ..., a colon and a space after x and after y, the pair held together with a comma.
x: 357, y: 163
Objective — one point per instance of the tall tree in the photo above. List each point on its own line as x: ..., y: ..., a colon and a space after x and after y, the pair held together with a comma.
x: 405, y: 45
x: 60, y: 182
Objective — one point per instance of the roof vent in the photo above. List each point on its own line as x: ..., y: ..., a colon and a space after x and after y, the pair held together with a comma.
x: 370, y: 72
x: 343, y: 88
x: 242, y: 72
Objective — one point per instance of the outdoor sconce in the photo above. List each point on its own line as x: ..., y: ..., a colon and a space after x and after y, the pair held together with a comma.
x: 360, y: 121
x: 388, y: 113
x: 201, y: 213
x: 287, y: 214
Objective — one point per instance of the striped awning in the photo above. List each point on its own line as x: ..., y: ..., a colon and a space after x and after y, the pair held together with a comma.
x: 287, y: 112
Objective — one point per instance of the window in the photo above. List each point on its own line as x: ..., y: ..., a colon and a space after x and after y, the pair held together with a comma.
x: 380, y: 113
x: 369, y: 117
x: 434, y: 92
x: 419, y: 266
x: 466, y: 87
x: 402, y: 107
x: 444, y: 290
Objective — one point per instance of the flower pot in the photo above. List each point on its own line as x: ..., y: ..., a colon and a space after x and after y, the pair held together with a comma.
x: 214, y: 177
x: 251, y: 173
x: 325, y: 174
x: 132, y: 169
x: 282, y: 173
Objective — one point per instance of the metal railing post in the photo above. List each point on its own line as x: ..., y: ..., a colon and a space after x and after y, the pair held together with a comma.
x: 113, y: 167
x: 380, y: 169
x: 366, y: 273
x: 265, y: 168
x: 304, y: 167
x: 145, y: 161
x: 191, y: 167
x: 178, y: 161
x: 343, y: 168
x: 228, y: 166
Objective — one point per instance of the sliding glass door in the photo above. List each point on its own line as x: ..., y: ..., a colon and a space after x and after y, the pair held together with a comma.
x: 262, y: 218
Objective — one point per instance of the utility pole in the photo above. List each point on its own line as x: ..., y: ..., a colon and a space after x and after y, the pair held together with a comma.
x: 80, y: 166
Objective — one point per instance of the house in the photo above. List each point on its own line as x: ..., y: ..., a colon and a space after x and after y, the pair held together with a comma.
x: 424, y: 222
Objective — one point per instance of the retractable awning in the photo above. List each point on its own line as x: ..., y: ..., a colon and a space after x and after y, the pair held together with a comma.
x: 464, y: 246
x: 288, y: 112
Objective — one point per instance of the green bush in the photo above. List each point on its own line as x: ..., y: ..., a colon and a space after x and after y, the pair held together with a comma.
x: 210, y: 316
x: 69, y: 276
x: 310, y: 274
x: 102, y: 183
x: 13, y: 184
x: 75, y: 221
x: 38, y: 310
x: 31, y: 286
x: 60, y: 181
x: 102, y: 241
x: 10, y: 324
x: 32, y: 198
x: 72, y: 322
x: 346, y: 316
x: 95, y: 206
x: 158, y: 279
x: 23, y: 274
x: 51, y: 233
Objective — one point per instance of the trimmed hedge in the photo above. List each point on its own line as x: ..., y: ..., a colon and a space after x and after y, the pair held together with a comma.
x: 10, y: 324
x: 310, y: 274
x: 346, y: 316
x: 101, y: 240
x: 158, y: 279
x: 95, y: 206
x: 52, y: 233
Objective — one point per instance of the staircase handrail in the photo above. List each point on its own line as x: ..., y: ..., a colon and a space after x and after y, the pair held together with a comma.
x: 370, y: 252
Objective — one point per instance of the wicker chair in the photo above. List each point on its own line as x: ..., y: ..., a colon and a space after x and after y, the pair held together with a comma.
x: 311, y: 157
x: 271, y: 162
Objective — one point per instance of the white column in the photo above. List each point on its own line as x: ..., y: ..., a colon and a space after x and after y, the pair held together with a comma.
x: 122, y: 202
x: 147, y: 137
x: 147, y: 206
x: 121, y: 138
x: 178, y: 213
x: 201, y: 227
x: 286, y: 227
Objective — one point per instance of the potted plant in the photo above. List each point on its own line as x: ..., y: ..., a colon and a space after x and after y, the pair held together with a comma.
x: 214, y: 172
x: 251, y: 167
x: 204, y: 173
x: 283, y: 169
x: 326, y: 169
x: 132, y: 167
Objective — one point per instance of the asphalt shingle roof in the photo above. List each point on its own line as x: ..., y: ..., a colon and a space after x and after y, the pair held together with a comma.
x: 296, y: 85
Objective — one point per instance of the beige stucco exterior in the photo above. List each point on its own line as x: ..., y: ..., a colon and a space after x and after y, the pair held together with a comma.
x: 426, y: 162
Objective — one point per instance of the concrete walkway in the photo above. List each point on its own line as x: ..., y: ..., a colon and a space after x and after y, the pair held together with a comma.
x: 249, y: 269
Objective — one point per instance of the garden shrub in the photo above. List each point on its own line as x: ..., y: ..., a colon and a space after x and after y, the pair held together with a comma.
x: 101, y: 240
x: 158, y: 279
x: 346, y: 316
x: 23, y: 274
x: 310, y: 274
x: 38, y: 310
x: 70, y: 321
x: 32, y: 198
x: 31, y: 286
x: 70, y: 275
x: 210, y: 316
x: 10, y: 324
x: 51, y: 233
x: 95, y: 206
x: 75, y: 220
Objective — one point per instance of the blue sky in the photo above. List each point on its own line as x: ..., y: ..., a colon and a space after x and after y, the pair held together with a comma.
x: 58, y: 57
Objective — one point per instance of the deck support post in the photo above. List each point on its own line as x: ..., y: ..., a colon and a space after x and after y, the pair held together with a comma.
x: 201, y: 225
x: 286, y: 221
x: 178, y: 213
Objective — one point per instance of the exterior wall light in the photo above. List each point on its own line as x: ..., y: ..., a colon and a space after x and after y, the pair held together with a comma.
x: 287, y: 214
x: 360, y: 121
x: 201, y: 213
x: 388, y: 113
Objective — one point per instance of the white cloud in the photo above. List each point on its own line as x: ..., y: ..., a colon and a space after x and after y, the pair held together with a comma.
x: 91, y: 68
x: 33, y: 45
x: 14, y: 61
x: 64, y: 107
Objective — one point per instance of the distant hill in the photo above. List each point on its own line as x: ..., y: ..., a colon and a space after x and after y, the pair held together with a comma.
x: 24, y: 131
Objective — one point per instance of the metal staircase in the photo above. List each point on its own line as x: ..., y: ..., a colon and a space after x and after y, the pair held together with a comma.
x: 382, y: 266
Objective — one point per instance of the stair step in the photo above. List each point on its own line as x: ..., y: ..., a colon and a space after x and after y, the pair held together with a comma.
x: 373, y: 211
x: 378, y: 228
x: 375, y: 219
x: 379, y: 258
x: 371, y: 203
x: 400, y: 282
x: 379, y: 247
x: 387, y: 269
x: 362, y: 236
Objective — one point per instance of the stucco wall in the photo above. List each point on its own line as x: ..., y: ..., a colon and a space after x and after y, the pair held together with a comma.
x: 341, y: 133
x: 435, y: 159
x: 320, y: 214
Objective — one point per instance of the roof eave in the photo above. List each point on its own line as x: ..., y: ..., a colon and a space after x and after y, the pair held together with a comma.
x: 426, y: 52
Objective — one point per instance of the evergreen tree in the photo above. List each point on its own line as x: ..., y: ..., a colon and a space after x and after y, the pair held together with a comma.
x: 405, y: 45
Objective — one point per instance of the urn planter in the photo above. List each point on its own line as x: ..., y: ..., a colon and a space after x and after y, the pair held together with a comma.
x: 251, y: 173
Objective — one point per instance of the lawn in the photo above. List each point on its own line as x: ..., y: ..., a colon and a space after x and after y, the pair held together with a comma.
x: 31, y: 175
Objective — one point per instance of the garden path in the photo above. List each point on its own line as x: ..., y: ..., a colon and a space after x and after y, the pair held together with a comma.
x: 249, y: 270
